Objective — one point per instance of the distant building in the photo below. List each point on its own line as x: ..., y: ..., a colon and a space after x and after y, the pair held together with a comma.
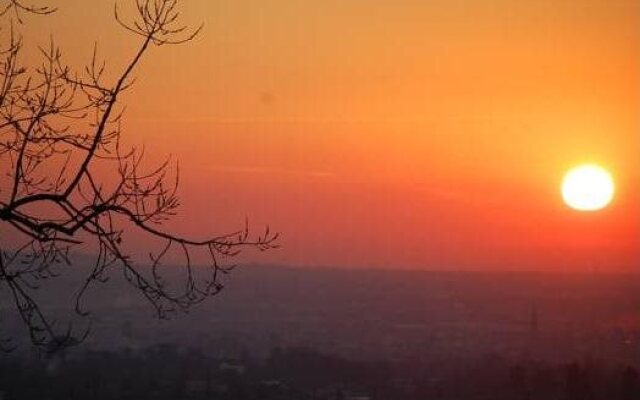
x: 532, y: 342
x: 196, y: 386
x: 232, y: 366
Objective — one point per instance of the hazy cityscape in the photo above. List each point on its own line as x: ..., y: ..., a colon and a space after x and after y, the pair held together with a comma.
x: 285, y: 333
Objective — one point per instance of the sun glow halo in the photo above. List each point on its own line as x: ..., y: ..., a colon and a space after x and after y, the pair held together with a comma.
x: 587, y: 188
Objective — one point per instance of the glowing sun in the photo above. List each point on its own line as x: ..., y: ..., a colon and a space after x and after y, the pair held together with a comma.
x: 587, y: 188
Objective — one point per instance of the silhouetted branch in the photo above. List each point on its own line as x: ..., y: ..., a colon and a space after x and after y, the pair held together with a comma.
x: 56, y: 125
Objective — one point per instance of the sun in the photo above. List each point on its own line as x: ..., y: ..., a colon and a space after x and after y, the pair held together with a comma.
x: 587, y: 187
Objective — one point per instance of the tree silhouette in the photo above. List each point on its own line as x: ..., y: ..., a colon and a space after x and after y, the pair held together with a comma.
x: 57, y: 126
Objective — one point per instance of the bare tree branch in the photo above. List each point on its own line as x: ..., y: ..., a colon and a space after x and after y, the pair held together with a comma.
x: 56, y: 126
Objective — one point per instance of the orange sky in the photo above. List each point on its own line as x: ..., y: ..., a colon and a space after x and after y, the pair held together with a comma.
x: 400, y: 134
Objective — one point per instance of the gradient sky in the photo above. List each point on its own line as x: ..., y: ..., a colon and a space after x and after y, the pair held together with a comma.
x: 392, y: 133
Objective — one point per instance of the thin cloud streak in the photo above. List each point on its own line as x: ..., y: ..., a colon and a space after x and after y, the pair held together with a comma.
x: 268, y: 171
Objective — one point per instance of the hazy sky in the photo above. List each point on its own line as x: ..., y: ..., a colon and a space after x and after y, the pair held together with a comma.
x: 392, y: 133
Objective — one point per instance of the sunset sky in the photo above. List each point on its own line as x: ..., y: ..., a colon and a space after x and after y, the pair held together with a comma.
x: 391, y: 133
